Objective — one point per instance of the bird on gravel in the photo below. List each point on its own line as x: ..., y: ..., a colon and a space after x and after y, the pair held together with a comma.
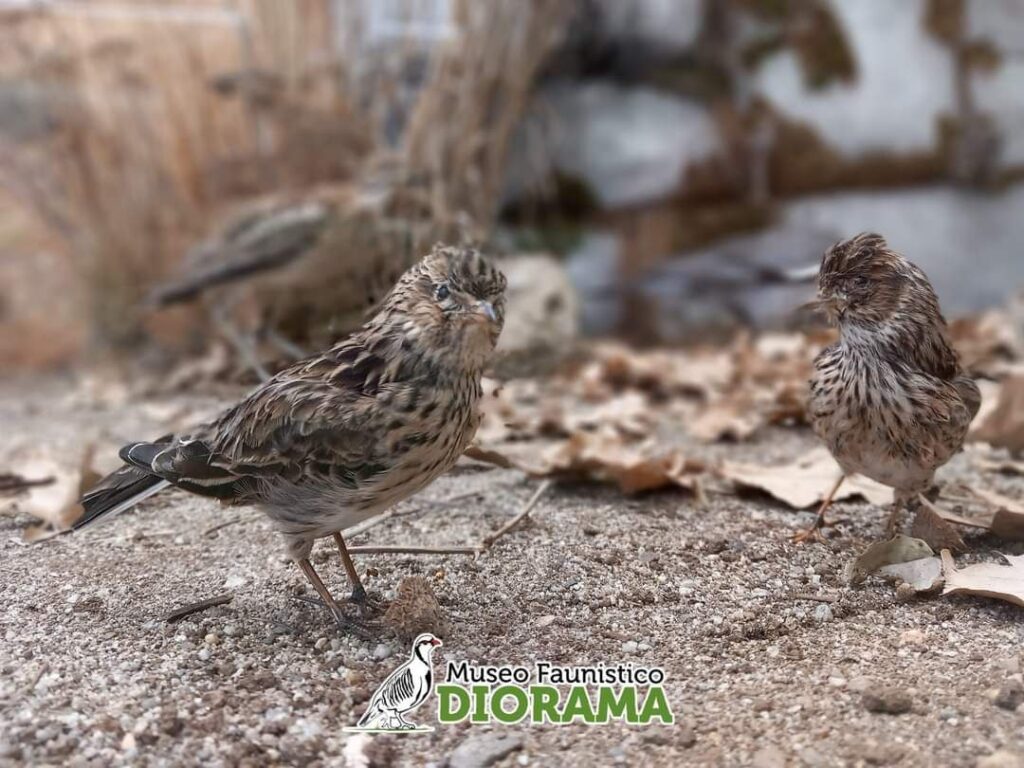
x: 341, y: 436
x: 889, y: 398
x: 295, y: 268
x: 404, y: 689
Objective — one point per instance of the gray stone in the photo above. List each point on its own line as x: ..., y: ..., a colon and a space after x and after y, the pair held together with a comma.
x: 542, y: 313
x: 629, y: 145
x: 887, y: 699
x: 1010, y: 695
x: 484, y: 750
x: 1002, y: 758
x: 658, y: 26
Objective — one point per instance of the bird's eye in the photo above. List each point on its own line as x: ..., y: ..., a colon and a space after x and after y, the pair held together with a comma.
x: 861, y: 282
x: 442, y: 292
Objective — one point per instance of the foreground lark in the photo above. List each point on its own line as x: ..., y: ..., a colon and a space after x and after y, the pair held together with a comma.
x: 339, y: 437
x: 890, y: 398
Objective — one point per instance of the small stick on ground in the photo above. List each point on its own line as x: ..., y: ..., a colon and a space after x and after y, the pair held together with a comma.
x: 816, y: 598
x: 225, y: 524
x: 541, y: 490
x: 700, y: 495
x: 187, y: 610
x: 366, y: 525
x: 411, y: 549
x: 11, y: 483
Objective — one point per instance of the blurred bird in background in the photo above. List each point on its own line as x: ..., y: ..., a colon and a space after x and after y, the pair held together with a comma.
x: 341, y: 436
x: 890, y: 398
x: 296, y: 271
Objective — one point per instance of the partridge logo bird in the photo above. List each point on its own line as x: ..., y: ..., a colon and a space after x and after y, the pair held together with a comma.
x: 341, y: 436
x: 403, y: 691
x: 890, y: 398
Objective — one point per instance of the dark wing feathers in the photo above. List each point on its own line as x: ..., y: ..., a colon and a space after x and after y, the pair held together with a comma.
x: 300, y: 418
x: 317, y: 416
x: 257, y: 242
x: 115, y: 489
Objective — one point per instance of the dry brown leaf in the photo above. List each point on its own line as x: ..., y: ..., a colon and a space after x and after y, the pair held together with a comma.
x: 1002, y: 582
x: 930, y: 526
x: 634, y: 469
x: 1003, y: 427
x: 729, y: 419
x: 898, y: 549
x: 923, y: 575
x: 1007, y: 516
x: 55, y: 504
x: 602, y: 456
x: 805, y: 482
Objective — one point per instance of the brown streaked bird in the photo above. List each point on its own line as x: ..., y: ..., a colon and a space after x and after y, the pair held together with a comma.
x: 295, y: 269
x: 890, y: 398
x: 341, y: 436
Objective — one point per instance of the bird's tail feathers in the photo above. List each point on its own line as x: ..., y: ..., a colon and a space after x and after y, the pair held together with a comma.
x: 124, y: 488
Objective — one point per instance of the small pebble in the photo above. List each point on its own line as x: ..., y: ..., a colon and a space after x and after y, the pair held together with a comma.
x: 1009, y: 696
x: 888, y: 700
x: 823, y: 613
x: 630, y: 646
x: 381, y: 652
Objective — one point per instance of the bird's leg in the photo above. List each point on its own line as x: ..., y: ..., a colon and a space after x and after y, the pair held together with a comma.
x: 340, y: 618
x: 814, y: 532
x: 359, y: 596
x: 286, y: 346
x: 245, y: 347
x: 900, y: 501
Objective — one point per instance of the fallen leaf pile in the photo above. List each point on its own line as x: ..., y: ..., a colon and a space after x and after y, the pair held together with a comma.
x: 804, y: 482
x: 637, y: 418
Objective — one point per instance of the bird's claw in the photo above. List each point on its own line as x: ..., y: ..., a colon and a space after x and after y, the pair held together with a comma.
x: 365, y: 604
x: 814, y: 532
x: 364, y: 630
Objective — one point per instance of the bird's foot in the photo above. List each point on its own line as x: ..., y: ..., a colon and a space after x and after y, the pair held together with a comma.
x: 363, y: 602
x: 364, y: 630
x: 814, y: 531
x: 357, y: 626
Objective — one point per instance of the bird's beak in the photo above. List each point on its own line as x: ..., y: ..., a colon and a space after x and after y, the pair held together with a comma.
x: 435, y: 642
x: 834, y: 306
x: 486, y: 309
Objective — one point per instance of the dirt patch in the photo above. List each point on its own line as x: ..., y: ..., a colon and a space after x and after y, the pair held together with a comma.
x: 770, y: 659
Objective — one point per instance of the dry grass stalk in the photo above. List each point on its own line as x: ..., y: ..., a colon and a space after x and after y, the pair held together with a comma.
x: 463, y: 121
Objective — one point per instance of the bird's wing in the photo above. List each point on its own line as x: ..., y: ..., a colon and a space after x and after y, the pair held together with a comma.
x: 969, y: 393
x: 253, y: 242
x: 320, y: 415
x: 942, y: 415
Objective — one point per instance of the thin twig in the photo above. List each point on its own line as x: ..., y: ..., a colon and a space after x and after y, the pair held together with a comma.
x: 366, y: 525
x: 445, y: 549
x: 187, y: 610
x: 541, y: 490
x: 225, y: 524
x: 952, y: 517
x: 10, y: 483
x: 413, y: 549
x: 816, y: 598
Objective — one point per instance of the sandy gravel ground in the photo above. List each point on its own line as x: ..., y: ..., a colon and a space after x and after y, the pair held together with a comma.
x: 758, y: 672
